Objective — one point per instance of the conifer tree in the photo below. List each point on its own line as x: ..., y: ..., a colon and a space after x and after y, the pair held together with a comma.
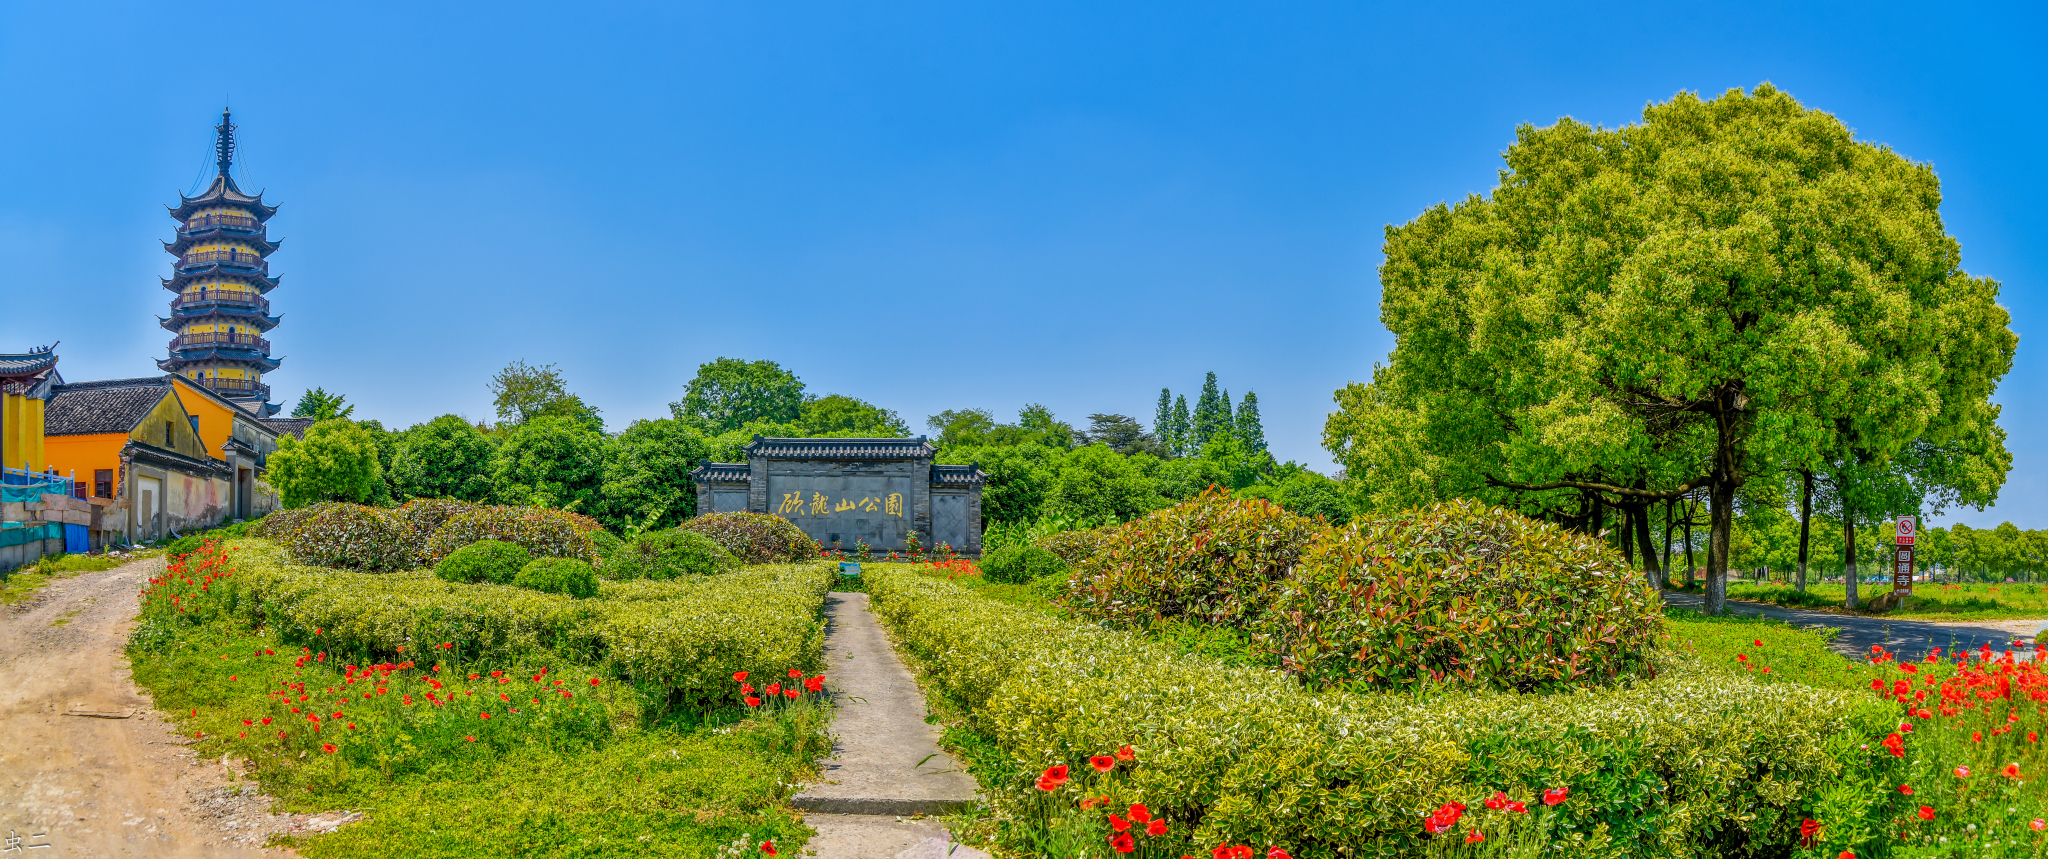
x: 1162, y: 422
x: 1212, y: 413
x: 1249, y: 430
x: 1183, y: 427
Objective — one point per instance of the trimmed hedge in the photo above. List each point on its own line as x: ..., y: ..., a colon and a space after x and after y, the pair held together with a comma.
x: 544, y: 532
x: 491, y: 561
x: 1213, y: 559
x: 755, y: 538
x: 668, y: 554
x: 424, y: 516
x: 1016, y: 565
x: 558, y: 576
x: 1465, y: 594
x: 1695, y: 764
x: 344, y: 535
x: 679, y: 641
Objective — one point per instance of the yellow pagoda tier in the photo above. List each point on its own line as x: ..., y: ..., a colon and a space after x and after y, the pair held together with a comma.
x: 222, y: 280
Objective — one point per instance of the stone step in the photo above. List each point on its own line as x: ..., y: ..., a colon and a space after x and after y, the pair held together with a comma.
x: 886, y: 759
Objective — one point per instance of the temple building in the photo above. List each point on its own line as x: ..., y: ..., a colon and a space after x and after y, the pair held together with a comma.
x: 221, y: 280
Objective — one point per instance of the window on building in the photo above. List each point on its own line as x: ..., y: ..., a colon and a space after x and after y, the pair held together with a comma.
x: 167, y: 434
x: 103, y: 483
x: 195, y: 423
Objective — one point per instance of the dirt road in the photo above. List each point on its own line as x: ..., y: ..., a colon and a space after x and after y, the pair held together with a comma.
x: 87, y: 766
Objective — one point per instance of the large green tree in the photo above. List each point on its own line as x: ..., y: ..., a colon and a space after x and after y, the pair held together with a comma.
x: 647, y: 481
x: 1698, y: 300
x: 446, y: 457
x: 320, y: 405
x: 550, y: 462
x: 841, y: 415
x: 728, y: 393
x: 336, y: 461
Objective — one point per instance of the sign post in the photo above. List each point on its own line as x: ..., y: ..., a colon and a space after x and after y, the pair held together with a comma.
x: 1902, y: 557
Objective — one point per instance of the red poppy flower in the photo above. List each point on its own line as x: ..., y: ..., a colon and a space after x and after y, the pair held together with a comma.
x: 1497, y: 801
x: 593, y: 681
x: 2010, y: 771
x: 753, y: 701
x: 1122, y: 842
x: 1126, y: 753
x: 746, y: 688
x: 768, y: 848
x: 1140, y: 813
x: 327, y: 747
x: 1846, y: 854
x: 739, y: 677
x: 1053, y: 777
x: 1102, y: 763
x: 793, y: 673
x: 815, y: 684
x: 2039, y: 824
x: 1906, y: 789
x: 1271, y: 853
x: 1926, y: 812
x: 483, y: 715
x: 1092, y: 802
x: 1962, y: 772
x: 1119, y: 824
x: 774, y: 689
x: 1808, y: 828
x: 1475, y: 837
x: 1156, y: 827
x: 1556, y: 795
x: 791, y: 693
x: 471, y: 739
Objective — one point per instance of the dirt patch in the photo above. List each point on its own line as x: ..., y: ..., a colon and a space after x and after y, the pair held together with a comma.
x: 86, y: 762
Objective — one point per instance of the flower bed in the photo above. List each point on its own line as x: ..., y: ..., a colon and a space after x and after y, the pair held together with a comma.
x: 1696, y: 763
x: 675, y: 641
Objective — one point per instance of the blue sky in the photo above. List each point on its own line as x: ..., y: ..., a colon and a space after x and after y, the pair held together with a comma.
x: 928, y: 206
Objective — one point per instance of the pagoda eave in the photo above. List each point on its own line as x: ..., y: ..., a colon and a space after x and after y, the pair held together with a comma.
x: 264, y: 246
x: 246, y: 358
x: 242, y: 316
x: 264, y: 283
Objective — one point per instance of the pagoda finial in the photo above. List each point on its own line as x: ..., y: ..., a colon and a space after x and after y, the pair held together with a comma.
x: 224, y: 145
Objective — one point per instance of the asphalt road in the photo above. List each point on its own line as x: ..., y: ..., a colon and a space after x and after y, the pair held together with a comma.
x: 1909, y: 639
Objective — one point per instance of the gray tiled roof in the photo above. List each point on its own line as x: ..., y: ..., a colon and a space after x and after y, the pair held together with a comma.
x: 722, y: 472
x: 958, y: 475
x: 26, y: 363
x: 295, y: 426
x: 111, y: 406
x: 841, y: 448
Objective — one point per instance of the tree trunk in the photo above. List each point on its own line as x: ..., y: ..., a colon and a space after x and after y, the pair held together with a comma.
x: 1721, y: 521
x: 1670, y: 513
x: 1627, y: 533
x: 1641, y: 519
x: 1690, y: 576
x: 1805, y: 524
x: 1849, y: 560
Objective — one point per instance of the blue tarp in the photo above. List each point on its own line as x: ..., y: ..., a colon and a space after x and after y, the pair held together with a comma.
x: 76, y: 540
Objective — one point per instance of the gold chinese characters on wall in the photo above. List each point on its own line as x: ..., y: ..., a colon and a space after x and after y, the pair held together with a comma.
x: 794, y: 504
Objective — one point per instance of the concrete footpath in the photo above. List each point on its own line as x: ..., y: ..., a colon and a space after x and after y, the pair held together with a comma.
x: 886, y: 764
x: 1910, y: 639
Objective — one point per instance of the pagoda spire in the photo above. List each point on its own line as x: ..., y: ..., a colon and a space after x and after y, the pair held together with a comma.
x: 224, y: 143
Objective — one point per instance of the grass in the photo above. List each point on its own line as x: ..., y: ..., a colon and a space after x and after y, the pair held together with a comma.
x: 564, y: 766
x: 28, y: 579
x: 1933, y: 602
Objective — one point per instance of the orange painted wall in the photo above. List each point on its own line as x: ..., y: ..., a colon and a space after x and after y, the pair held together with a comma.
x: 216, y: 421
x: 85, y: 453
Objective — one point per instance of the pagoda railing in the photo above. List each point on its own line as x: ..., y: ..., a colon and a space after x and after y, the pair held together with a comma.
x: 232, y: 222
x: 221, y: 296
x: 219, y: 338
x: 236, y: 386
x: 243, y: 259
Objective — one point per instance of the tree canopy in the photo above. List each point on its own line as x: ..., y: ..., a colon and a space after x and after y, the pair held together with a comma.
x: 320, y: 405
x: 728, y: 393
x: 336, y: 461
x: 1730, y: 288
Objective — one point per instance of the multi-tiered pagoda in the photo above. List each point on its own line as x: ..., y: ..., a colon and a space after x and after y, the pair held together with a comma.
x: 221, y: 279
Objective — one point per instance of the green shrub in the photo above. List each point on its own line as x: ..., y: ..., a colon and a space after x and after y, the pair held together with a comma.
x: 347, y: 536
x: 679, y: 641
x: 1016, y: 565
x: 668, y: 554
x: 1247, y: 756
x: 483, y: 561
x: 543, y: 532
x: 755, y: 538
x: 605, y: 544
x: 1464, y: 594
x: 185, y: 545
x: 1073, y: 546
x: 558, y: 576
x: 282, y: 524
x: 1215, y: 559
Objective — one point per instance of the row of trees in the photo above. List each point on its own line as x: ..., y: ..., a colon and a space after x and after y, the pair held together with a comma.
x: 550, y: 448
x: 1734, y: 299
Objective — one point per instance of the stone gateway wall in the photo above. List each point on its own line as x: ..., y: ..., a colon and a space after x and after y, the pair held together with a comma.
x: 843, y: 492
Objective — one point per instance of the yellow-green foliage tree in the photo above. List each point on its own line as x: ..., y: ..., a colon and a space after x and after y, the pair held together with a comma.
x: 336, y: 461
x: 1730, y: 288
